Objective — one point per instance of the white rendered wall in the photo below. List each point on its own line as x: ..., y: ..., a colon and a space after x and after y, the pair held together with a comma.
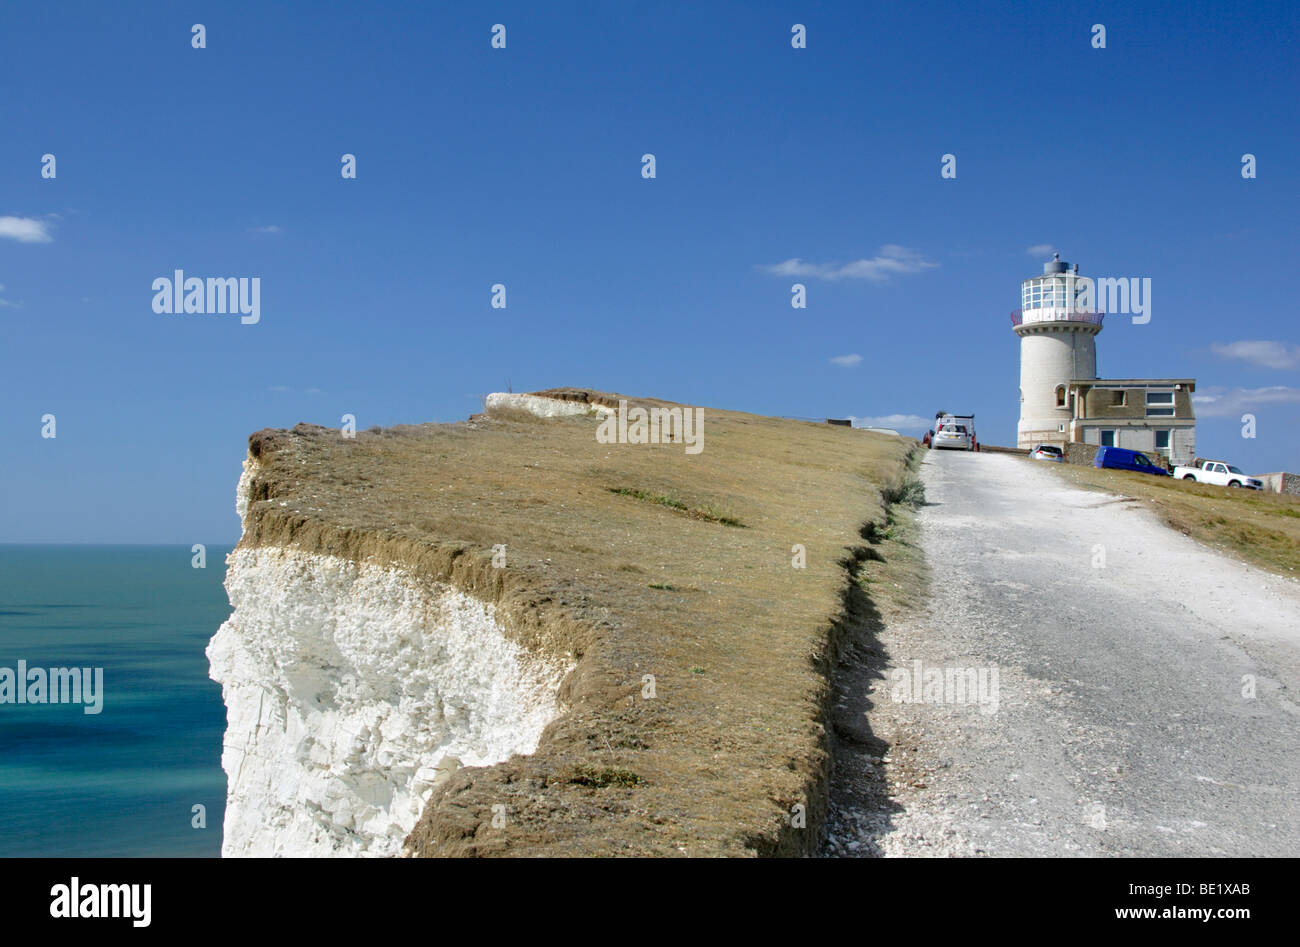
x: 1136, y: 438
x: 1048, y: 359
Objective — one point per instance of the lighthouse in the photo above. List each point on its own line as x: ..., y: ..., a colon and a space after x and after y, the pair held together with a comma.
x: 1058, y: 345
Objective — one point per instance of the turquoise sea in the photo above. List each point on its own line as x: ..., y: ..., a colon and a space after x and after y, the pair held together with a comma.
x: 123, y: 782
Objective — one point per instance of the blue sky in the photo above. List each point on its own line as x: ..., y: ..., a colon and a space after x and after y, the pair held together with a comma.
x: 522, y: 166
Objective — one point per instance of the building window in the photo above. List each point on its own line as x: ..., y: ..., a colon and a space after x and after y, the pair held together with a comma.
x: 1060, y: 396
x: 1162, y: 439
x: 1118, y: 398
x: 1160, y: 404
x: 1107, y: 438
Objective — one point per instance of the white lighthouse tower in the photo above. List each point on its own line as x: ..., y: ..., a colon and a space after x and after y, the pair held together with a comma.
x: 1058, y: 333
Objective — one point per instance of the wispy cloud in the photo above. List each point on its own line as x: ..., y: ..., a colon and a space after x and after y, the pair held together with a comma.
x: 897, y: 422
x: 1230, y: 402
x: 1040, y: 249
x: 846, y: 361
x: 269, y: 228
x: 1259, y: 352
x: 25, y: 229
x: 8, y: 303
x: 892, y: 260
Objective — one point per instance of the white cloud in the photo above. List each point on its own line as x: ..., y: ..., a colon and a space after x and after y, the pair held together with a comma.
x: 846, y: 361
x: 1260, y: 352
x: 892, y: 260
x: 1040, y: 249
x: 25, y: 229
x: 269, y: 228
x: 1230, y: 402
x: 897, y: 422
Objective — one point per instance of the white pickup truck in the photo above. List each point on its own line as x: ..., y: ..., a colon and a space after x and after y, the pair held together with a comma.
x: 1221, y: 474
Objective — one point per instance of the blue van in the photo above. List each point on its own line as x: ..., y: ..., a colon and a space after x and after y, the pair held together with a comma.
x: 1121, y: 458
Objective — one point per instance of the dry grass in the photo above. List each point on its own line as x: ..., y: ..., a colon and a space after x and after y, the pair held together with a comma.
x: 1260, y: 528
x: 698, y: 591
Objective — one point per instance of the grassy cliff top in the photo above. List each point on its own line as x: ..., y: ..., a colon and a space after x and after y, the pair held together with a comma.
x: 632, y: 560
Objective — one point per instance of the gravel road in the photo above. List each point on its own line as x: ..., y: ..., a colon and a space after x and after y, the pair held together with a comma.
x: 1145, y: 686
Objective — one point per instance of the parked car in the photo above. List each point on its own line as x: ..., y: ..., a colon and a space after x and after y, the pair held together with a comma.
x: 1216, y: 472
x: 963, y: 424
x: 1048, y: 452
x: 1121, y: 458
x: 952, y: 437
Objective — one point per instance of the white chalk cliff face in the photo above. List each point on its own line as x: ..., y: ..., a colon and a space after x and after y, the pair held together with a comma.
x: 351, y: 690
x: 544, y: 407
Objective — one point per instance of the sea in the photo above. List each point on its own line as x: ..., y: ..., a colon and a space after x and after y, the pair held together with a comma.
x: 142, y: 777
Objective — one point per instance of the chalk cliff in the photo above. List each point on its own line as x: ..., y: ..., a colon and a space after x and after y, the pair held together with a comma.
x: 352, y: 690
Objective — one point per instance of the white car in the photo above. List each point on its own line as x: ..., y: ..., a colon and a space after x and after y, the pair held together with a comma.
x: 1048, y: 452
x: 952, y: 437
x: 1221, y: 474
